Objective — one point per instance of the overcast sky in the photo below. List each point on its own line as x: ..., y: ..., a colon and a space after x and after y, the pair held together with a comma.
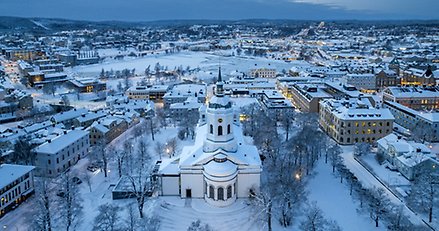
x: 150, y: 10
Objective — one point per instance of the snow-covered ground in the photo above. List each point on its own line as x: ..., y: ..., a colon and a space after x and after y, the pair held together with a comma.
x: 368, y: 180
x: 334, y: 200
x: 208, y: 62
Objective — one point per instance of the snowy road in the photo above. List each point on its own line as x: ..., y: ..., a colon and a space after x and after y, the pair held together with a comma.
x: 369, y: 181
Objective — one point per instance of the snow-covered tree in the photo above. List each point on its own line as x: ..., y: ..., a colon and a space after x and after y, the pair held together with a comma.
x: 42, y: 218
x: 199, y: 226
x: 315, y: 221
x: 378, y: 204
x: 286, y: 119
x: 108, y: 218
x: 69, y: 204
x: 22, y: 152
x: 141, y: 182
x: 362, y: 149
x: 424, y: 194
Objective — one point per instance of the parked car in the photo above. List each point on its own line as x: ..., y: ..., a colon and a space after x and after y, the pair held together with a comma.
x: 76, y: 180
x: 61, y: 193
x: 92, y: 167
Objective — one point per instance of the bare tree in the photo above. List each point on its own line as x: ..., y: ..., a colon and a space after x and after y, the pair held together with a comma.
x: 334, y: 156
x: 49, y: 88
x: 362, y: 148
x: 87, y: 178
x: 159, y: 148
x: 70, y: 209
x: 141, y: 178
x: 315, y: 221
x: 171, y: 147
x: 287, y: 120
x: 131, y: 221
x: 65, y: 100
x: 378, y: 204
x: 199, y: 226
x: 262, y: 202
x: 119, y: 156
x: 107, y: 219
x: 101, y: 154
x: 425, y: 191
x: 42, y: 220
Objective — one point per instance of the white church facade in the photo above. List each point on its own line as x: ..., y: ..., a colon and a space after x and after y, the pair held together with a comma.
x: 220, y: 167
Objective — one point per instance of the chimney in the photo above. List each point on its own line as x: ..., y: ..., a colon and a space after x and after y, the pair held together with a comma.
x: 65, y: 132
x: 49, y: 141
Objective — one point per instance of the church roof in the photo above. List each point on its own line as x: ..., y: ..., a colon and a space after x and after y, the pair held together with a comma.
x: 246, y: 155
x: 221, y: 169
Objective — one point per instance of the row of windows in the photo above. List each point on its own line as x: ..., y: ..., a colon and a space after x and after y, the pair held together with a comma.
x: 13, y: 194
x: 368, y: 131
x: 220, y: 193
x: 220, y: 130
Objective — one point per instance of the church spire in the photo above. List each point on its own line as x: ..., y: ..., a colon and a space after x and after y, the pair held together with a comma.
x: 219, y: 84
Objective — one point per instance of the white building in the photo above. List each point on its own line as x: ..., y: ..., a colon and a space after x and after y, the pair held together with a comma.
x: 263, y: 73
x: 58, y: 154
x: 409, y: 158
x: 16, y: 185
x: 220, y: 167
x: 361, y: 81
x: 181, y: 92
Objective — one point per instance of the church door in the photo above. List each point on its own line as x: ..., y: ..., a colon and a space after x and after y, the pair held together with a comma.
x: 189, y: 193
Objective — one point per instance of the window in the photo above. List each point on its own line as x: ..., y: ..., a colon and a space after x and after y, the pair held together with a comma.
x: 228, y: 129
x: 220, y: 193
x: 211, y: 129
x: 220, y: 130
x: 229, y: 192
x: 211, y: 192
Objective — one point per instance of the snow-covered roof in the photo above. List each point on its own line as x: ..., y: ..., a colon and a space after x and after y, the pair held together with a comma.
x: 68, y: 115
x: 353, y: 109
x: 220, y: 169
x: 11, y: 172
x: 60, y: 142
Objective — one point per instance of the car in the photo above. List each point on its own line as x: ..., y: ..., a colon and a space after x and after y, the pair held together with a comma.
x: 76, y: 180
x: 61, y: 193
x: 92, y: 167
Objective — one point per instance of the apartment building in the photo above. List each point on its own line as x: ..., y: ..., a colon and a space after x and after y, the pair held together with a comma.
x: 349, y: 121
x: 60, y: 153
x: 16, y: 185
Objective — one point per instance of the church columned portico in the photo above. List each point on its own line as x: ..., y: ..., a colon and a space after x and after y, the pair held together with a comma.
x: 220, y: 177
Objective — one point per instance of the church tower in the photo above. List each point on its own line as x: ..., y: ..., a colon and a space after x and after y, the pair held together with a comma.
x: 219, y: 120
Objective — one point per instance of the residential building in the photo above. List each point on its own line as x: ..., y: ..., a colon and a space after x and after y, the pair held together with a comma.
x: 16, y: 185
x: 151, y: 92
x: 408, y: 157
x: 364, y: 82
x: 180, y: 93
x: 58, y: 154
x: 418, y: 77
x: 417, y: 98
x: 350, y: 121
x: 107, y: 129
x: 387, y: 78
x: 263, y: 73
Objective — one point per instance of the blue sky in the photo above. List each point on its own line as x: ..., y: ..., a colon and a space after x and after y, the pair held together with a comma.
x: 150, y: 10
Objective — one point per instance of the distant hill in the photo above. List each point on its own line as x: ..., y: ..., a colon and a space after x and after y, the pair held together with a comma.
x: 47, y: 25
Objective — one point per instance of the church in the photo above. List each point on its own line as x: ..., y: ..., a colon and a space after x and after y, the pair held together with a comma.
x: 220, y: 167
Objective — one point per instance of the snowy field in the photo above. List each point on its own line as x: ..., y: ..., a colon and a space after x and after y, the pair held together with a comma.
x: 208, y: 62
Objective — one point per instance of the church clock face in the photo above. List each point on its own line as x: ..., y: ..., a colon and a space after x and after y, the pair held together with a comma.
x: 220, y: 120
